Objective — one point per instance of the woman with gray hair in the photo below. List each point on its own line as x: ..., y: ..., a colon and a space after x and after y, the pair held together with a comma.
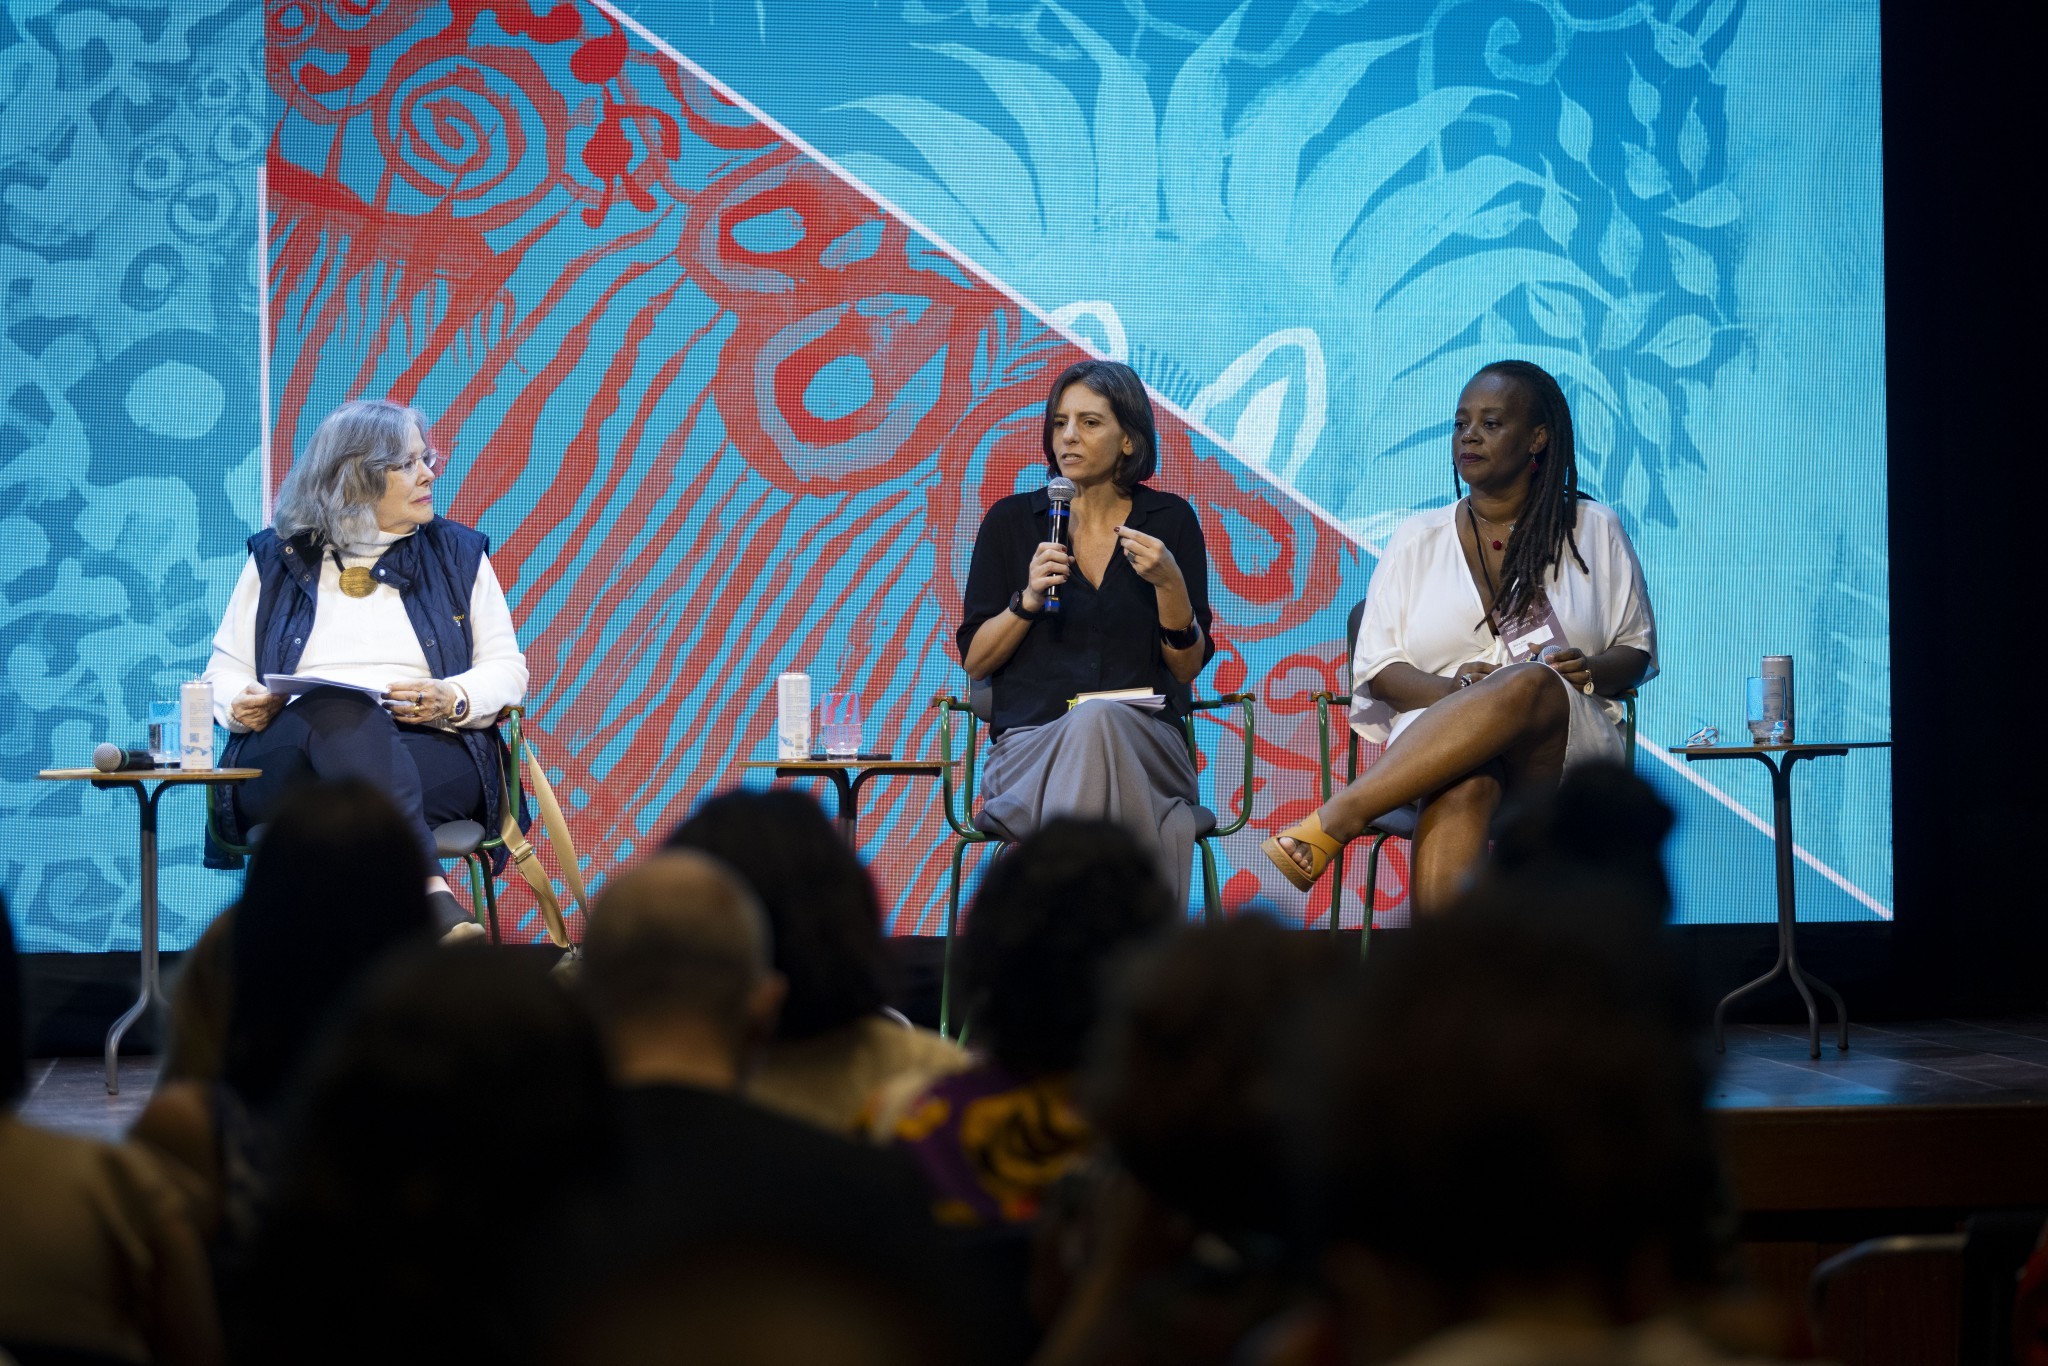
x: 357, y: 582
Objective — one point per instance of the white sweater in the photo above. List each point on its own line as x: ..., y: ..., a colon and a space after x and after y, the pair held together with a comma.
x: 370, y: 641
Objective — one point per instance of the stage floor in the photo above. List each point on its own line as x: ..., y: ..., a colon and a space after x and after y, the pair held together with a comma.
x: 2000, y: 1061
x: 70, y: 1095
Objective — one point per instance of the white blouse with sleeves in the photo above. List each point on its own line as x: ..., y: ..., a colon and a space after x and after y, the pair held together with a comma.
x: 370, y: 641
x: 1422, y: 608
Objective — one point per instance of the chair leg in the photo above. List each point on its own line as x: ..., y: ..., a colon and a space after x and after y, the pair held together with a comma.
x: 1337, y: 891
x: 490, y: 899
x: 476, y: 889
x: 1212, y: 886
x: 952, y: 928
x: 1372, y: 887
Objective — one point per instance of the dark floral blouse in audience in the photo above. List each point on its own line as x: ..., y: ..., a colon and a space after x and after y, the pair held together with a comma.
x: 990, y: 1146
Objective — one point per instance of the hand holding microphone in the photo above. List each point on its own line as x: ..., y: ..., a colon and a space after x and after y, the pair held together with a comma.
x: 1051, y: 563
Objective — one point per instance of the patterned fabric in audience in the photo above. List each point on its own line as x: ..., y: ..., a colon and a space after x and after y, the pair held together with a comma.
x: 990, y: 1146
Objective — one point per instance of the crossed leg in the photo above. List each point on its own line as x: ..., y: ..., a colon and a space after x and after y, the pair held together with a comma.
x: 1459, y: 758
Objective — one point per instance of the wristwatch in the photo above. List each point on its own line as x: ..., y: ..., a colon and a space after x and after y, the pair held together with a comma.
x: 460, y: 712
x: 1017, y: 606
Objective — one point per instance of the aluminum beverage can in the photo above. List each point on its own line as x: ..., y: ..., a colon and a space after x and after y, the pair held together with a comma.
x: 195, y: 726
x: 1776, y: 671
x: 793, y: 716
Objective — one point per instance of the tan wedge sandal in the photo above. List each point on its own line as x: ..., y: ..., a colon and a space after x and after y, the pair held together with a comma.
x: 1321, y: 846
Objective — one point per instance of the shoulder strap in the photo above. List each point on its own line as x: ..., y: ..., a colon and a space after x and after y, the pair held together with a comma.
x: 528, y: 862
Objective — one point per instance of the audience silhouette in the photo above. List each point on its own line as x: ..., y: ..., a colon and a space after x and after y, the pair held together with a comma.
x: 446, y: 1134
x: 1162, y: 1146
x: 335, y: 886
x: 99, y: 1260
x: 833, y: 1044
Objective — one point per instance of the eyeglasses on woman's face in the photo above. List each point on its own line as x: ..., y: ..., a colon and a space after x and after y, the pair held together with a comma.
x: 432, y: 460
x: 419, y: 454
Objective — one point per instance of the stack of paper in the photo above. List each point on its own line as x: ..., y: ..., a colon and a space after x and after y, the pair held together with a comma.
x: 291, y: 685
x: 1132, y: 697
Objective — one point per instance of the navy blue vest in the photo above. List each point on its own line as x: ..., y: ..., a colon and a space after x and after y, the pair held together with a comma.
x: 434, y: 570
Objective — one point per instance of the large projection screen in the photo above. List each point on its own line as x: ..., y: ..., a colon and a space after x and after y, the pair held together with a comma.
x: 734, y: 314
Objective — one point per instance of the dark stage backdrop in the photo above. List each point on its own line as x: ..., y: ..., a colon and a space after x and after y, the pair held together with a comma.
x: 734, y: 317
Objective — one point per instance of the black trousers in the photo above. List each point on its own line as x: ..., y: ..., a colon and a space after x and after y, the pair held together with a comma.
x: 333, y: 733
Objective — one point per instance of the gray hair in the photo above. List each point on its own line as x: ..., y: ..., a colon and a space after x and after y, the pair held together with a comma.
x: 332, y: 490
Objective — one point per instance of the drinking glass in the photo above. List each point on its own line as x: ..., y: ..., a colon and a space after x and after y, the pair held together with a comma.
x: 1766, y: 706
x: 164, y: 734
x: 839, y: 727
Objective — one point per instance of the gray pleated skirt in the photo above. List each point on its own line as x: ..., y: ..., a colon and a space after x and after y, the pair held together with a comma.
x: 1102, y: 760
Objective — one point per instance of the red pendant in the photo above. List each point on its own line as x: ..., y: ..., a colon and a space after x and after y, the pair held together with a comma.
x: 1496, y: 545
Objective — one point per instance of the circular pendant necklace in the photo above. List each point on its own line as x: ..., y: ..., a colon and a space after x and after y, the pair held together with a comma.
x: 355, y: 579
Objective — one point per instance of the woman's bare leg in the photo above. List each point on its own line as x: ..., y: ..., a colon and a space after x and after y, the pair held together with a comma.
x: 1450, y: 838
x: 1518, y: 715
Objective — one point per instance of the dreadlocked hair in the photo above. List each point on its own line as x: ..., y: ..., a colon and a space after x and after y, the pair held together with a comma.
x: 1545, y: 530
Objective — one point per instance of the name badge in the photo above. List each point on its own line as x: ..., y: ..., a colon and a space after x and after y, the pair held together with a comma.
x: 1532, y: 632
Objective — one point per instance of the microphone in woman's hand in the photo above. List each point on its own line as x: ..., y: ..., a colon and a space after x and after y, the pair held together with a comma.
x: 1060, y: 491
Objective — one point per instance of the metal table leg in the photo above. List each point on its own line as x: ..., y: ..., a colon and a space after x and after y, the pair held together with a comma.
x: 152, y: 981
x: 849, y: 805
x: 1788, y: 945
x: 846, y: 810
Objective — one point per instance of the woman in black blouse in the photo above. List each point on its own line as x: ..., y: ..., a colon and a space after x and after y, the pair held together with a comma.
x: 1133, y: 613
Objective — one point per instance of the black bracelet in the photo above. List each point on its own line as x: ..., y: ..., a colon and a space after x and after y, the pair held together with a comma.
x: 1017, y: 606
x: 1185, y: 638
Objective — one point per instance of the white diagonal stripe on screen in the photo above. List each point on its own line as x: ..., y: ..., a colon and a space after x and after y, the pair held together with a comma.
x: 961, y: 259
x: 1692, y: 775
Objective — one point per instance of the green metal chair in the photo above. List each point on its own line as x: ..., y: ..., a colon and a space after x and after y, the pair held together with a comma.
x: 1399, y: 823
x: 465, y: 840
x: 957, y: 801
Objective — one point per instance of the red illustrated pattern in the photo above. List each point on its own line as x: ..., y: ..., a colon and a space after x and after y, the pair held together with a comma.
x: 721, y: 413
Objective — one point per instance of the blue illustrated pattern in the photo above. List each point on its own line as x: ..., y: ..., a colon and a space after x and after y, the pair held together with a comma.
x: 1305, y: 224
x: 129, y: 448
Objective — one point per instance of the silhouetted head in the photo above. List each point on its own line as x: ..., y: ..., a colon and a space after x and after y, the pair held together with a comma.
x: 1184, y: 1080
x: 1600, y: 820
x: 1511, y: 1099
x: 824, y: 920
x: 1052, y: 915
x: 337, y: 882
x: 680, y: 937
x: 444, y: 1131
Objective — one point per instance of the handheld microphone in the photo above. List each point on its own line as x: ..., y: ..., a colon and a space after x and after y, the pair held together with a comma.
x: 1060, y: 490
x: 111, y: 758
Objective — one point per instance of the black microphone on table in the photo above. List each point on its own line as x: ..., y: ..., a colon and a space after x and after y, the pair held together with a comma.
x: 1060, y: 490
x: 111, y: 758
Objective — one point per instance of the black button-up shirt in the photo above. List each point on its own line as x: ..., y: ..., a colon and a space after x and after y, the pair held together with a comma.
x: 1102, y: 638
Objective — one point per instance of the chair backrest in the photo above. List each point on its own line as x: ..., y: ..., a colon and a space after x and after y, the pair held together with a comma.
x: 1351, y: 625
